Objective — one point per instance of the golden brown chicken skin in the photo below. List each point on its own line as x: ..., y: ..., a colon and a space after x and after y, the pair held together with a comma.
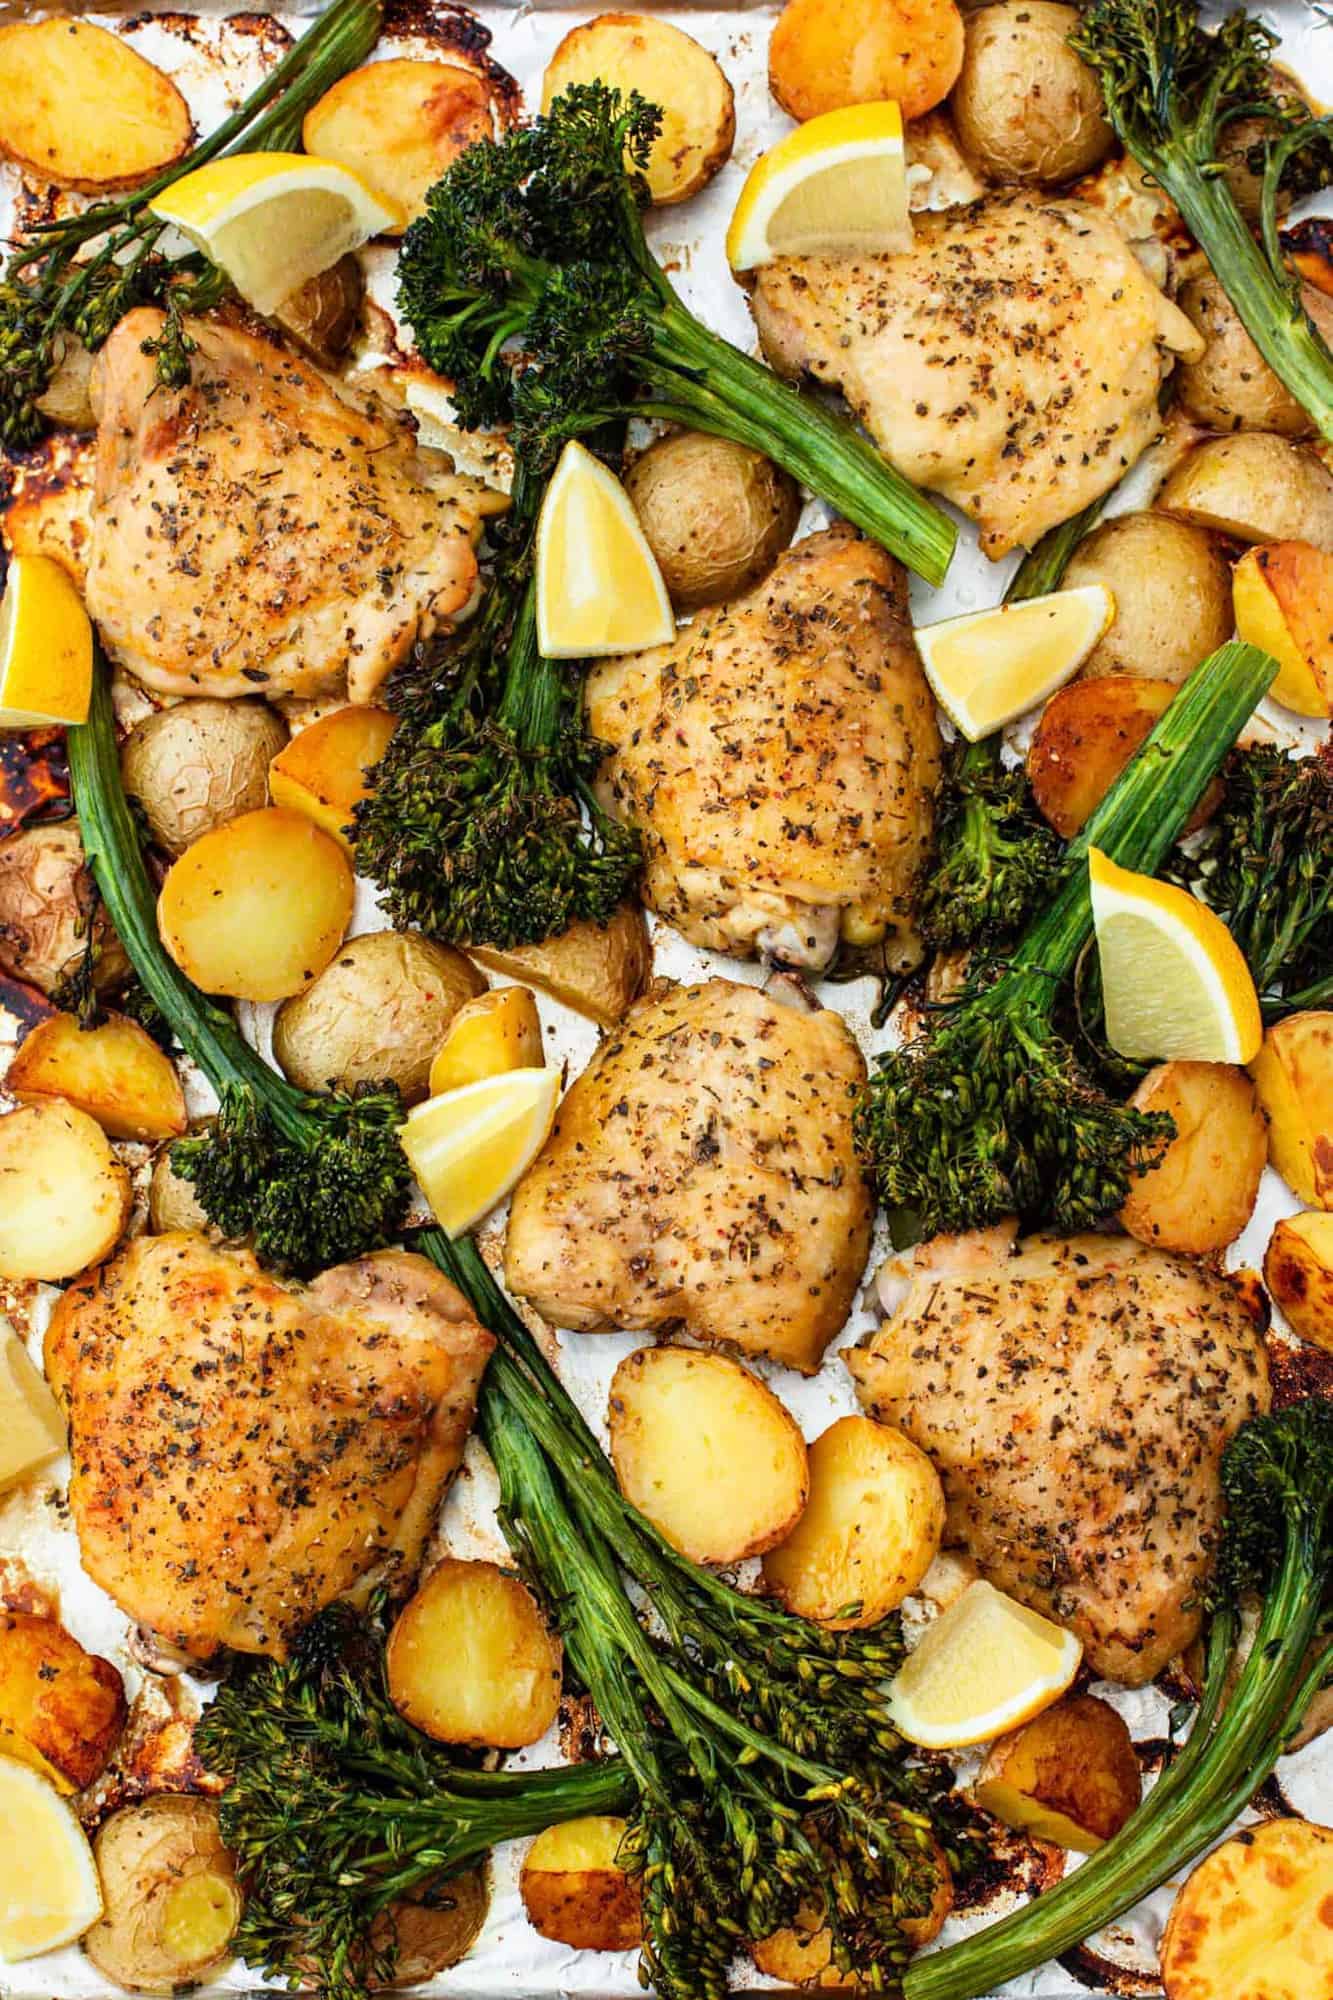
x: 245, y: 1450
x: 701, y: 1174
x: 1075, y: 1395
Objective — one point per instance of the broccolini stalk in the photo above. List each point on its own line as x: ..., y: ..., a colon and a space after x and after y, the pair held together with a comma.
x: 537, y: 242
x: 1171, y: 90
x: 312, y: 1179
x: 988, y: 1114
x: 49, y: 290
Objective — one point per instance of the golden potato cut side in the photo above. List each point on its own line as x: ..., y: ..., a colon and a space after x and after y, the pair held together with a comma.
x: 597, y: 969
x: 399, y: 124
x: 1070, y: 1776
x: 79, y: 107
x: 1201, y: 1192
x: 64, y: 1196
x: 471, y: 1658
x: 1255, y: 1920
x: 575, y: 1890
x: 668, y: 68
x: 825, y: 54
x: 61, y: 1709
x: 1298, y: 1271
x: 322, y: 772
x: 707, y: 1452
x: 1294, y: 1075
x: 115, y: 1072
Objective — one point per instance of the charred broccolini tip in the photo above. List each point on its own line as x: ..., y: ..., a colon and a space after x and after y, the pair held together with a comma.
x: 536, y: 243
x: 988, y: 1113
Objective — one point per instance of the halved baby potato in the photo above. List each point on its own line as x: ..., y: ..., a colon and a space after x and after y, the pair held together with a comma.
x: 1252, y: 1921
x: 171, y: 1901
x: 1069, y: 1776
x: 575, y: 1890
x: 669, y: 69
x: 399, y: 124
x: 497, y: 1031
x: 64, y: 1196
x: 79, y: 106
x: 322, y: 771
x: 1201, y: 1193
x: 471, y: 1659
x: 707, y: 1452
x: 1294, y: 1074
x: 1087, y: 734
x: 115, y: 1072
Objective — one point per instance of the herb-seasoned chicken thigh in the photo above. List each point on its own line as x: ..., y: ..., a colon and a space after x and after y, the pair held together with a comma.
x: 1010, y: 360
x: 1075, y: 1396
x: 780, y: 758
x: 246, y: 1450
x: 701, y: 1173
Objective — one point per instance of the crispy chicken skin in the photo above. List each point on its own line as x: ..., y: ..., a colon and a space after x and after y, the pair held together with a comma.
x: 1010, y: 360
x: 254, y: 533
x: 1075, y: 1396
x: 701, y: 1174
x: 245, y: 1450
x: 780, y: 758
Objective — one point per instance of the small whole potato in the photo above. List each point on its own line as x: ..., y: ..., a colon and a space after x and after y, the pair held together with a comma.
x: 1026, y: 107
x: 1231, y: 387
x: 170, y: 1898
x: 1172, y: 592
x: 198, y: 764
x: 379, y: 1010
x: 46, y: 895
x: 717, y: 515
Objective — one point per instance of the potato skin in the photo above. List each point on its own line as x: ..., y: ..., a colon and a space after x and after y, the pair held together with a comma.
x: 1026, y: 108
x: 1298, y: 1271
x: 668, y: 68
x: 380, y: 1009
x: 716, y: 514
x: 1294, y: 1074
x: 198, y: 764
x: 148, y: 1855
x: 172, y: 1201
x: 471, y: 1658
x: 61, y: 1709
x: 1255, y: 486
x: 1231, y: 387
x: 574, y: 1890
x: 1251, y: 1922
x: 46, y: 894
x: 1202, y: 1191
x: 1069, y: 1776
x: 825, y: 54
x: 1172, y: 592
x: 430, y: 1937
x: 323, y: 314
x: 596, y: 969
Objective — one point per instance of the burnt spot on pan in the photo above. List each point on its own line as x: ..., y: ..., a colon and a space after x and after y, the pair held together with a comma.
x: 455, y: 32
x: 582, y: 1737
x: 1011, y: 1866
x: 34, y: 778
x: 1093, y: 1968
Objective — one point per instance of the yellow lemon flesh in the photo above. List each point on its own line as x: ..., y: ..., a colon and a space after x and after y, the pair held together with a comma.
x: 32, y: 1430
x: 835, y: 187
x: 599, y: 589
x: 272, y: 221
x: 984, y: 1666
x: 49, y: 1891
x: 1175, y: 985
x: 987, y: 667
x: 46, y: 647
x: 469, y: 1147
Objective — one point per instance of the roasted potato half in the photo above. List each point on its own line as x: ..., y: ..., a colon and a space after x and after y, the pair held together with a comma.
x: 322, y: 771
x: 64, y: 1196
x: 668, y: 68
x: 574, y: 1889
x: 399, y: 124
x: 198, y: 764
x: 61, y: 1709
x: 471, y: 1659
x: 59, y: 80
x: 707, y: 1452
x: 497, y: 1031
x: 1027, y: 108
x: 597, y: 969
x: 1294, y: 1074
x: 172, y: 1201
x: 1202, y: 1191
x: 1069, y: 1776
x: 1172, y: 592
x: 46, y: 899
x: 1087, y: 734
x: 1252, y: 1921
x: 826, y: 54
x: 1298, y: 1270
x: 115, y: 1072
x: 716, y: 514
x: 1231, y: 387
x: 871, y: 1528
x: 170, y: 1898
x: 1257, y: 487
x: 1281, y: 597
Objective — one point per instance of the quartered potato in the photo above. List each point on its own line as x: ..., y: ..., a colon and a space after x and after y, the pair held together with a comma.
x: 575, y: 1890
x: 61, y: 1709
x: 1294, y: 1074
x: 1256, y: 487
x: 1069, y: 1776
x: 1201, y: 1193
x: 1282, y: 597
x: 497, y: 1031
x: 399, y: 124
x: 1252, y: 1921
x: 322, y: 771
x: 171, y: 1901
x: 115, y: 1072
x: 597, y: 969
x: 64, y: 1196
x: 79, y: 107
x: 668, y: 68
x: 1298, y: 1271
x: 471, y: 1659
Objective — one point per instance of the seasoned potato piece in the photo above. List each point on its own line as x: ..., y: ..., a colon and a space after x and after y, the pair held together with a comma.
x: 1231, y: 387
x: 870, y: 1530
x: 1298, y: 1271
x: 399, y: 124
x: 322, y: 315
x: 574, y: 1889
x: 802, y: 1955
x: 495, y: 1032
x: 1251, y: 1923
x: 322, y: 771
x: 196, y: 765
x: 1087, y: 734
x: 716, y: 514
x: 825, y: 54
x: 595, y: 969
x: 1026, y: 107
x: 172, y: 1201
x: 61, y: 1709
x: 257, y: 908
x: 707, y: 1452
x: 66, y: 400
x: 1172, y: 592
x: 115, y: 1072
x: 668, y: 68
x: 472, y: 1660
x: 59, y: 82
x: 64, y: 1196
x: 171, y: 1901
x: 1069, y: 1776
x: 1202, y: 1191
x: 377, y: 1011
x: 1255, y: 486
x: 46, y: 896
x: 1282, y: 597
x: 32, y: 1430
x: 1294, y: 1074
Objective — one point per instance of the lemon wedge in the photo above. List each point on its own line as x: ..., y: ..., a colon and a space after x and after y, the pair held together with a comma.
x: 834, y: 187
x: 49, y: 1891
x: 599, y: 589
x: 46, y: 647
x: 984, y: 1666
x: 989, y: 666
x: 1175, y: 984
x: 469, y: 1147
x: 273, y: 220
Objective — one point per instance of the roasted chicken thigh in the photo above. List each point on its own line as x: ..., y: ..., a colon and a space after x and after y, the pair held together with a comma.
x: 245, y: 1450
